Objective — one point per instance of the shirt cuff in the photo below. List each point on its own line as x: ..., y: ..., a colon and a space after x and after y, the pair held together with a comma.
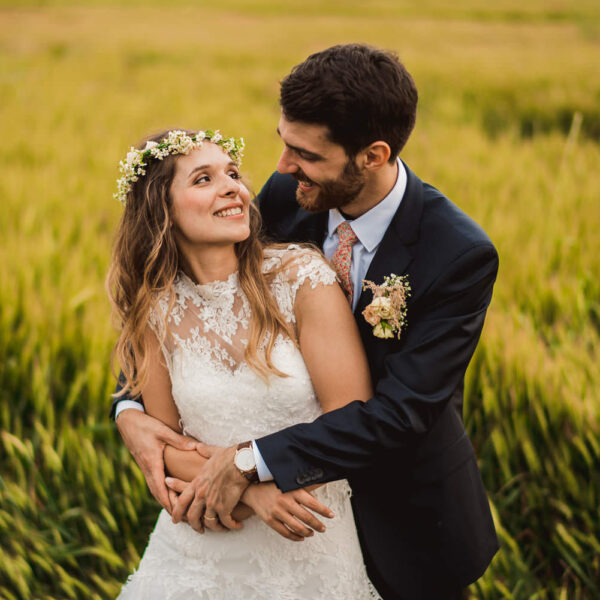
x: 261, y: 468
x: 125, y: 404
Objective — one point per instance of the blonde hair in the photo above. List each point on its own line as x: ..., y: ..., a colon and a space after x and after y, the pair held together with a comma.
x: 145, y: 262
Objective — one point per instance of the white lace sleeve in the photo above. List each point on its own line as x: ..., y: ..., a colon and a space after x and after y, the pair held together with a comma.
x: 302, y: 266
x: 157, y: 321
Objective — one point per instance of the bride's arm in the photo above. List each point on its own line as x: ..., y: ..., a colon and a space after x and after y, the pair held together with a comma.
x: 159, y: 403
x: 331, y: 346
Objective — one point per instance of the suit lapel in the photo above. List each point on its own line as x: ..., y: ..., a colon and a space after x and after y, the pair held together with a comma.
x: 396, y: 250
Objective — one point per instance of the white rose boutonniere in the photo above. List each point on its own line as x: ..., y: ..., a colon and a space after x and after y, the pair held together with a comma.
x: 387, y: 311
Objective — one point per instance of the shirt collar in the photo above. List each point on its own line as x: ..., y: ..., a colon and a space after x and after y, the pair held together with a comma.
x: 371, y: 226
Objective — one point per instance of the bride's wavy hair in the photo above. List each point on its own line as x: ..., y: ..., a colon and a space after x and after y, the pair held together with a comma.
x: 144, y: 265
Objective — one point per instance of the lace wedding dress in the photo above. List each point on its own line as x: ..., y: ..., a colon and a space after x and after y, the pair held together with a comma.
x: 221, y: 401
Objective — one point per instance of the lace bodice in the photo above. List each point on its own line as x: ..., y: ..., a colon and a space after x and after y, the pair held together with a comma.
x: 222, y: 401
x: 217, y: 394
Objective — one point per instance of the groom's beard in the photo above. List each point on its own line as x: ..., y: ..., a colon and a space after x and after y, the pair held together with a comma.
x: 332, y: 193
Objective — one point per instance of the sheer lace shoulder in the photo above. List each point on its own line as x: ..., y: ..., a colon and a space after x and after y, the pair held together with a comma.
x: 295, y: 266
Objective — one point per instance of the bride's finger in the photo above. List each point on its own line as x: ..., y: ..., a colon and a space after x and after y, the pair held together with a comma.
x: 212, y: 522
x: 182, y: 503
x: 196, y: 512
x: 177, y: 485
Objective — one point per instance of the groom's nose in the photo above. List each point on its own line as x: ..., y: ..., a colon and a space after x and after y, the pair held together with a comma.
x: 286, y: 163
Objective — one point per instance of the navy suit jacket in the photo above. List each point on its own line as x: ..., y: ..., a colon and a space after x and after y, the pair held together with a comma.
x: 421, y: 509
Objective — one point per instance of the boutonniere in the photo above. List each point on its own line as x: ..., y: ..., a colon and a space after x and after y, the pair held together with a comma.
x: 387, y: 311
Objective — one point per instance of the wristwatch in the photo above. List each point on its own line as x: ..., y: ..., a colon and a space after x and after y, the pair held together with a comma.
x: 244, y: 461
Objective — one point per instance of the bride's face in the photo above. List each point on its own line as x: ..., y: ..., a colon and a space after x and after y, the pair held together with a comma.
x: 210, y: 203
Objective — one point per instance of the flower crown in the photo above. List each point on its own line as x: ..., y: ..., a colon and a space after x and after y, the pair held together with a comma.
x: 176, y: 142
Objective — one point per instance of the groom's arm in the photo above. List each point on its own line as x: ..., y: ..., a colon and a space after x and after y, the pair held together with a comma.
x: 121, y: 403
x: 419, y: 380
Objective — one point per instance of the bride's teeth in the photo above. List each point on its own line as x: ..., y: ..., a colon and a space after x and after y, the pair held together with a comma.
x: 229, y: 212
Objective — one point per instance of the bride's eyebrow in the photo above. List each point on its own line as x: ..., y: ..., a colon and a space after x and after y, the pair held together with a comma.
x: 199, y: 168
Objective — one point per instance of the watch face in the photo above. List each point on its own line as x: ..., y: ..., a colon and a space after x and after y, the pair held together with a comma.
x: 244, y: 459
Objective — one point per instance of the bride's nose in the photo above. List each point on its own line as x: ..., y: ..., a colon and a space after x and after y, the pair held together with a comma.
x: 229, y: 187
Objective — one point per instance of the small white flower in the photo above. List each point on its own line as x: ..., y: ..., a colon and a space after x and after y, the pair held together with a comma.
x: 132, y: 157
x: 149, y: 145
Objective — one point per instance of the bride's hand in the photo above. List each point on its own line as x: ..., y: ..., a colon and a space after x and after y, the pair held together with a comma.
x: 286, y: 513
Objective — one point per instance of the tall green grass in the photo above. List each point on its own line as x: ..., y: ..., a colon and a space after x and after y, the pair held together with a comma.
x: 508, y: 128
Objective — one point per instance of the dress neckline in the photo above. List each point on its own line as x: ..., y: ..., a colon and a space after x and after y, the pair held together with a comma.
x: 211, y: 289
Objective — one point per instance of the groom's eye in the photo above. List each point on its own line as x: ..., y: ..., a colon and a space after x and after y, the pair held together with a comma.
x: 308, y: 156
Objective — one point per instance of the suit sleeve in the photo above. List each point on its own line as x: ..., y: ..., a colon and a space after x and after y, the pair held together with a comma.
x: 419, y: 379
x: 120, y: 385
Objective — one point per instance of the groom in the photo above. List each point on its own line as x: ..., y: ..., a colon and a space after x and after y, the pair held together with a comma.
x: 421, y: 509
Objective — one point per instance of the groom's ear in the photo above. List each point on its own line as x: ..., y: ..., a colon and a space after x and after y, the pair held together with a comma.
x: 375, y: 155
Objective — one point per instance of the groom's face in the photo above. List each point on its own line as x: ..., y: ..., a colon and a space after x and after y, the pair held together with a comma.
x: 327, y: 177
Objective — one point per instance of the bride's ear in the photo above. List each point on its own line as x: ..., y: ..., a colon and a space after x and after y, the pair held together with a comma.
x: 376, y: 155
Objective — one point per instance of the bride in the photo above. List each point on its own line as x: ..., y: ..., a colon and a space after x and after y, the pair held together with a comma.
x: 227, y: 340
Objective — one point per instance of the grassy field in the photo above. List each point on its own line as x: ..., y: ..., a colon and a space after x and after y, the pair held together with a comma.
x: 508, y: 127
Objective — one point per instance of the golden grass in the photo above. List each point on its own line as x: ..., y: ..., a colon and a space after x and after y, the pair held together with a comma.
x: 498, y: 132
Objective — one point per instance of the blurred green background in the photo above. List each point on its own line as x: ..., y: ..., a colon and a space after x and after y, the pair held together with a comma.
x: 508, y: 128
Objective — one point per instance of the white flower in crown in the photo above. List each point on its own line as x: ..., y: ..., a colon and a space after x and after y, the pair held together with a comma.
x: 176, y: 142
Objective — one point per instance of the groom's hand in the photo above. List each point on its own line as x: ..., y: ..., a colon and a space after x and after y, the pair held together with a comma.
x: 146, y: 438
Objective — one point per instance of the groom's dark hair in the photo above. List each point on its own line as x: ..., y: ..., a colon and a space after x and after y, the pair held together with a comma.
x: 361, y: 93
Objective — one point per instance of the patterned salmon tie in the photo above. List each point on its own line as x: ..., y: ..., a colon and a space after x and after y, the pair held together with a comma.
x: 342, y: 258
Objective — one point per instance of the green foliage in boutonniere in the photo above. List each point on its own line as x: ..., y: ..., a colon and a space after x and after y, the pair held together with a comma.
x: 387, y: 311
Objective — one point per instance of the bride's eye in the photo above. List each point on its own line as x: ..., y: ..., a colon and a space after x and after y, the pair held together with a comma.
x: 201, y: 179
x: 234, y: 175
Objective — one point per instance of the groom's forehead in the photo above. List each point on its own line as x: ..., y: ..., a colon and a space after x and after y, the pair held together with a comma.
x: 311, y: 137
